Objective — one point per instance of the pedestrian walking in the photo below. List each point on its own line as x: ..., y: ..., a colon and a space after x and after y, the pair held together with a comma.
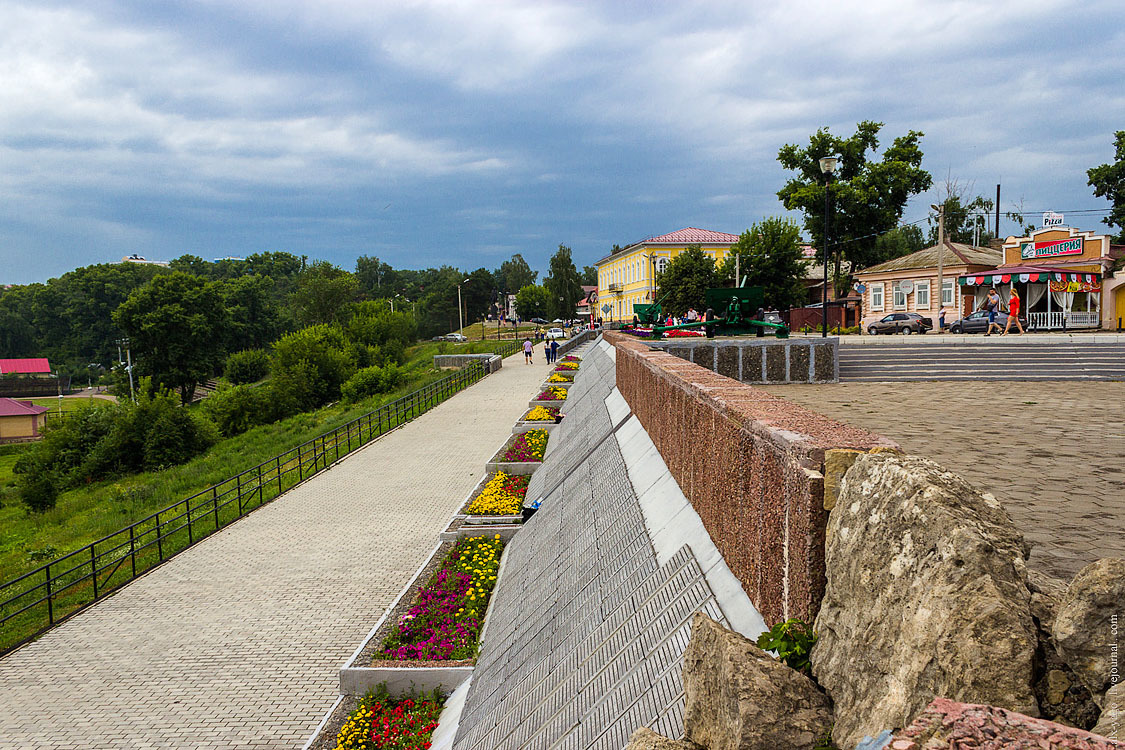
x: 992, y: 305
x: 1013, y: 312
x: 941, y: 320
x: 554, y: 351
x: 527, y: 347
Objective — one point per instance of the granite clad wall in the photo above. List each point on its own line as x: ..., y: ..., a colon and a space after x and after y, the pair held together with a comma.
x: 761, y: 360
x: 751, y: 464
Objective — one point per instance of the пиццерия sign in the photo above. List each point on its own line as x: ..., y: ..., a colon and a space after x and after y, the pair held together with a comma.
x: 1050, y: 249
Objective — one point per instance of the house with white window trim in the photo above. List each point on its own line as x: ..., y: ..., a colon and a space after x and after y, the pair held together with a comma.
x: 910, y: 283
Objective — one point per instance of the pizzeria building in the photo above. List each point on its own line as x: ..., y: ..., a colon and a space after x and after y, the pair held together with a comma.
x: 1064, y: 276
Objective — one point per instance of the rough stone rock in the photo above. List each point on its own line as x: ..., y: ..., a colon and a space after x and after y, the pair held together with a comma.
x: 741, y: 698
x: 926, y: 596
x: 948, y: 725
x: 1084, y: 627
x: 1046, y: 592
x: 1112, y: 721
x: 646, y: 739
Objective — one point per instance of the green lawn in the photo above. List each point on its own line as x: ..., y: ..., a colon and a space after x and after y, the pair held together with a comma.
x: 87, y: 513
x: 68, y: 404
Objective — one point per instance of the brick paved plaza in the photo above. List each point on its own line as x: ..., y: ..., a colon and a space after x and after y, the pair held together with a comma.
x: 237, y: 641
x: 1053, y: 453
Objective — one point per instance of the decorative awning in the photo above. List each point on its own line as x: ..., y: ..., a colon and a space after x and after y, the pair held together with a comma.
x: 1024, y: 275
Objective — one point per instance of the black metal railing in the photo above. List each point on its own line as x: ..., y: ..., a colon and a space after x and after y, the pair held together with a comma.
x: 39, y: 599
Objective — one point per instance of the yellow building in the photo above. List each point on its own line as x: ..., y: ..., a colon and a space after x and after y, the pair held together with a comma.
x: 19, y: 420
x: 627, y: 277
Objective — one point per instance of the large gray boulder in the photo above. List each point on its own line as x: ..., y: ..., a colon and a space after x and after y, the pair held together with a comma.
x: 926, y: 596
x: 741, y: 698
x: 1085, y: 630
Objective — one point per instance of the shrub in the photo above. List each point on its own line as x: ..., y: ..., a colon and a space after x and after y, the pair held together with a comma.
x: 371, y: 380
x: 312, y: 364
x: 792, y: 640
x: 36, y: 485
x: 235, y: 410
x: 249, y: 366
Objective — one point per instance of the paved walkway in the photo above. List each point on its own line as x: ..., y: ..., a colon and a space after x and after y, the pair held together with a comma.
x: 1051, y: 452
x: 237, y: 641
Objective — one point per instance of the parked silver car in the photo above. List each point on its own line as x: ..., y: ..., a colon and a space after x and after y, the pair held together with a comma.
x: 901, y: 323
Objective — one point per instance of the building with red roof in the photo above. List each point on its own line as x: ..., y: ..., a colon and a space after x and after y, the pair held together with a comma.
x: 628, y: 276
x: 33, y: 366
x: 20, y: 420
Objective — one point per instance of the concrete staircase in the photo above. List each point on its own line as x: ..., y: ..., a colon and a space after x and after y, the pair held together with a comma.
x: 982, y: 359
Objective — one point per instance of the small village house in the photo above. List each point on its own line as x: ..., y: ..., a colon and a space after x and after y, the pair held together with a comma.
x: 910, y: 283
x: 20, y: 420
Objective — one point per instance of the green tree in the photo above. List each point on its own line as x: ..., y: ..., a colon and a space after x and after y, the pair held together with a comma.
x: 898, y: 242
x: 375, y: 278
x: 590, y: 275
x: 515, y: 274
x: 253, y: 312
x: 323, y: 294
x: 1108, y: 181
x: 176, y: 325
x: 770, y: 256
x: 685, y: 281
x: 868, y: 194
x: 477, y: 294
x: 563, y: 284
x: 314, y: 361
x: 532, y: 302
x: 966, y: 216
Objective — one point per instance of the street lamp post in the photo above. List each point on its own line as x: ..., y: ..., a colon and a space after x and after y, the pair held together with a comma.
x: 460, y: 320
x: 129, y: 367
x: 828, y: 165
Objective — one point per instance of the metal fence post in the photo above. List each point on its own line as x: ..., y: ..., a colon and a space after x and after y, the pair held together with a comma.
x: 215, y: 503
x: 133, y: 549
x: 259, y: 487
x: 238, y: 484
x: 190, y: 534
x: 94, y: 570
x: 279, y: 475
x: 159, y: 538
x: 50, y: 598
x: 300, y: 464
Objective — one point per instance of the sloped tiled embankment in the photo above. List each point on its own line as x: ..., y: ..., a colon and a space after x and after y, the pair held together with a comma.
x: 587, y: 630
x: 752, y: 465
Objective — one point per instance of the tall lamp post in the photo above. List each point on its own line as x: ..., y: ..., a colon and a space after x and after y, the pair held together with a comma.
x: 124, y: 342
x: 460, y: 320
x: 828, y: 166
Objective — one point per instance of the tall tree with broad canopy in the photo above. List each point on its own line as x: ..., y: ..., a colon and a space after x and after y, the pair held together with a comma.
x: 323, y: 293
x: 590, y: 275
x: 966, y: 216
x: 563, y: 284
x: 685, y: 281
x: 770, y: 256
x: 515, y: 274
x: 532, y: 302
x: 176, y: 324
x: 868, y: 194
x: 1108, y: 181
x: 375, y: 278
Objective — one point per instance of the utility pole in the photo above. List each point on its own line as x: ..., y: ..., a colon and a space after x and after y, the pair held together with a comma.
x: 129, y: 367
x: 737, y: 257
x: 940, y: 254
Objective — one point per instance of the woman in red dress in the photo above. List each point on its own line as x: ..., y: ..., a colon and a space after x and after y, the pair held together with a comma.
x: 1013, y: 311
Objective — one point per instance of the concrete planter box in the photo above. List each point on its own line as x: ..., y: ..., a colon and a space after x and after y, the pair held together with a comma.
x: 511, y: 467
x: 506, y: 531
x: 533, y: 403
x: 472, y: 520
x: 557, y: 385
x: 520, y: 427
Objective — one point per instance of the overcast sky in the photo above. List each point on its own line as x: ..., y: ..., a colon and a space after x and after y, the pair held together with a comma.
x: 432, y: 133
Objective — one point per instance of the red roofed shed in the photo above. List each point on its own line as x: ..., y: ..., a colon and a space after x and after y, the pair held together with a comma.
x: 19, y: 420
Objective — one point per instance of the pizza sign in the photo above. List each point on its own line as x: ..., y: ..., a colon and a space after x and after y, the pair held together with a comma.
x: 1051, y: 249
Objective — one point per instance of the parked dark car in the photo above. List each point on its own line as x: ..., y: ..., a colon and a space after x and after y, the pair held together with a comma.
x: 977, y: 322
x: 538, y: 321
x: 901, y: 323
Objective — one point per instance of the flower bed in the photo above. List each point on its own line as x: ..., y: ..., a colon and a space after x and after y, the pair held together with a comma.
x: 552, y: 393
x: 502, y: 495
x: 643, y: 333
x: 527, y: 446
x: 381, y: 721
x: 566, y: 366
x: 448, y: 613
x: 685, y: 333
x: 559, y: 377
x: 541, y: 414
x: 571, y: 358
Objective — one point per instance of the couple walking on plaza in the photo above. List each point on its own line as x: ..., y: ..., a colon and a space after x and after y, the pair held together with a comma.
x: 551, y: 349
x: 992, y: 305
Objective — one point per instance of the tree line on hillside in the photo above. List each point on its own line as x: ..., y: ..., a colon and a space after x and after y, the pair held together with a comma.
x: 236, y: 304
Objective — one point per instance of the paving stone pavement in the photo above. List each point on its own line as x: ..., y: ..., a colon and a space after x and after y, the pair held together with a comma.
x: 236, y: 642
x: 1050, y: 452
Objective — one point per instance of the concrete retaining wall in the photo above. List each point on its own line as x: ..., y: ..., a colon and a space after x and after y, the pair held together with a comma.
x: 456, y: 361
x: 752, y: 465
x: 762, y: 360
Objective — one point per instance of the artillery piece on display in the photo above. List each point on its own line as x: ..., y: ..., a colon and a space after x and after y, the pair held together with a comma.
x: 730, y: 312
